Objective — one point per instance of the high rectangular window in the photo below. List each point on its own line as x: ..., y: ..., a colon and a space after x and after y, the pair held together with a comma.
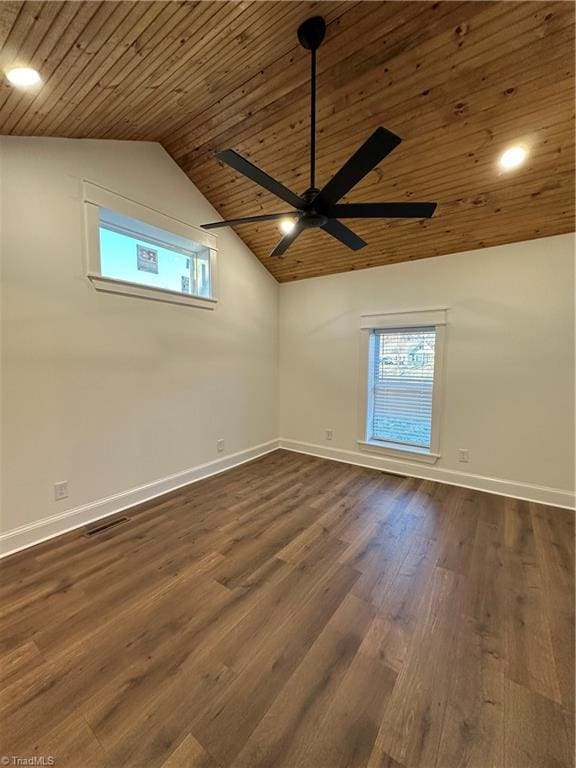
x: 138, y: 251
x: 401, y: 386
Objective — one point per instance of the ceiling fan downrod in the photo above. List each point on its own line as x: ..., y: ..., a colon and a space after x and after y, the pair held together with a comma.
x: 311, y: 34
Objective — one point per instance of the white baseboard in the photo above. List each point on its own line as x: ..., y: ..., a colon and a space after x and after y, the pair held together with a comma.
x: 34, y: 533
x: 551, y: 496
x: 41, y: 530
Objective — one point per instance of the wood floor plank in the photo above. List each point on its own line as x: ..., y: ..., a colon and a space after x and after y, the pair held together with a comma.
x: 554, y: 540
x: 380, y: 759
x: 149, y: 736
x: 263, y: 674
x: 118, y: 666
x: 463, y: 520
x: 190, y: 754
x: 530, y: 654
x: 71, y: 742
x: 289, y: 726
x: 154, y: 656
x: 414, y: 719
x: 485, y: 597
x: 538, y: 737
x: 296, y: 613
x: 473, y: 728
x: 20, y: 659
x: 347, y: 732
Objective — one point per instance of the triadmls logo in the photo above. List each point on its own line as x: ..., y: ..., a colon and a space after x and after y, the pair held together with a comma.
x: 34, y: 760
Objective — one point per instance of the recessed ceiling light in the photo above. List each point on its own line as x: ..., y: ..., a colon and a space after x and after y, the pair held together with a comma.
x: 23, y: 77
x: 287, y: 225
x: 513, y: 157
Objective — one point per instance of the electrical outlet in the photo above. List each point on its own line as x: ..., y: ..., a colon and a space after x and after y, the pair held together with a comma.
x: 220, y: 445
x: 464, y: 455
x: 329, y: 434
x: 61, y: 490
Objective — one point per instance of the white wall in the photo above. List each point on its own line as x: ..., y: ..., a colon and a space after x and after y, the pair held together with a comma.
x: 509, y: 394
x: 112, y: 392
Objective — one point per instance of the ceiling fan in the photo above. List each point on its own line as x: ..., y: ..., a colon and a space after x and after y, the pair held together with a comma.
x: 319, y: 207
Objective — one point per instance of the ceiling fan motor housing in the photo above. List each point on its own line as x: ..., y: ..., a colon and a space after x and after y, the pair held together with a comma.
x: 311, y: 33
x: 311, y: 219
x: 311, y: 215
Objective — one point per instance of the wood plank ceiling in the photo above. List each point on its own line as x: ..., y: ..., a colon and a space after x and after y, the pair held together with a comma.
x: 458, y: 81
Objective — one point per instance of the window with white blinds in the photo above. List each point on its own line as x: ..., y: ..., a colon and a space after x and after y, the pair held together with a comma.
x: 401, y: 385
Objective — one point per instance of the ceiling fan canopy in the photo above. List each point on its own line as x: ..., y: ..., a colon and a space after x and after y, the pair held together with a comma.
x: 319, y: 208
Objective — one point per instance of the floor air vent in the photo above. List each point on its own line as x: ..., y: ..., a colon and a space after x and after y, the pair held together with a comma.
x: 100, y: 528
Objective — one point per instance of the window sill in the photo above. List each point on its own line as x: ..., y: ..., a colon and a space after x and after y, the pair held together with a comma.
x: 109, y: 285
x: 392, y: 450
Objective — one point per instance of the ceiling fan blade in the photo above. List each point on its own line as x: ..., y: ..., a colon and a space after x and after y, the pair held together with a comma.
x: 374, y: 149
x: 247, y: 220
x: 287, y: 241
x: 383, y: 210
x: 245, y: 167
x: 344, y: 235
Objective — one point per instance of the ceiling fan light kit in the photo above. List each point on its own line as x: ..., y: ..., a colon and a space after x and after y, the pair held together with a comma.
x: 319, y: 208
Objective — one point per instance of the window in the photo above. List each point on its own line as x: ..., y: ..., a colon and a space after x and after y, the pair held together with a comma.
x: 403, y: 366
x: 135, y: 250
x: 402, y: 377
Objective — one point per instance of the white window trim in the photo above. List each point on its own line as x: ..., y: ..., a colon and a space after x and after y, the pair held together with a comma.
x: 413, y: 318
x: 95, y: 197
x: 408, y: 319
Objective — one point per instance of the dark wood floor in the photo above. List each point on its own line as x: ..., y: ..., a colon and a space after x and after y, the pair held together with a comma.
x: 297, y: 613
